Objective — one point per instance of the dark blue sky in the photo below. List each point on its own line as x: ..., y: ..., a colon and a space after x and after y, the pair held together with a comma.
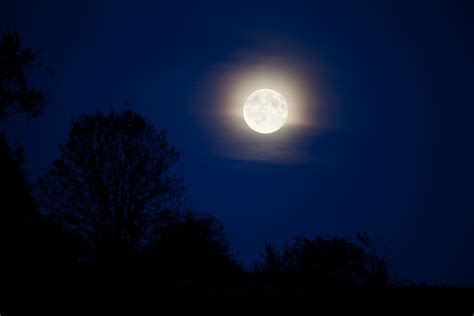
x: 397, y: 165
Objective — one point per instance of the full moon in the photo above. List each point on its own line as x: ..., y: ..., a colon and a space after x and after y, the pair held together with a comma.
x: 265, y: 111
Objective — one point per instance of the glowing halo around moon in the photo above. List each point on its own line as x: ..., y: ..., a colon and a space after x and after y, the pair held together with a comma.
x: 265, y: 111
x: 230, y: 105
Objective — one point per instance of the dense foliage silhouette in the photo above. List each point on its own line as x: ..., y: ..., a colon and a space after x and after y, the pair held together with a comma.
x: 26, y: 237
x: 192, y: 243
x: 16, y: 63
x: 29, y: 242
x: 326, y: 262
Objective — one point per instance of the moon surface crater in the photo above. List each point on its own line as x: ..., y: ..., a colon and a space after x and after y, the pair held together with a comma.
x: 265, y: 111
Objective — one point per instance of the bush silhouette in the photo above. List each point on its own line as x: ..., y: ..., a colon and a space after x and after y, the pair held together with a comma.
x: 192, y: 244
x: 324, y: 262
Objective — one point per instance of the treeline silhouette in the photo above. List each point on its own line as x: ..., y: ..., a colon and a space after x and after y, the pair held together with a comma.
x: 109, y: 215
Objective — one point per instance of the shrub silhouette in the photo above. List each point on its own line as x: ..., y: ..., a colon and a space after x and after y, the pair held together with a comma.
x: 326, y: 262
x: 192, y: 244
x: 111, y: 183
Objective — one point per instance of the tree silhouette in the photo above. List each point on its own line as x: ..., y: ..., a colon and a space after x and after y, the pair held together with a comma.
x: 112, y: 183
x: 26, y: 237
x: 328, y: 262
x: 192, y: 243
x: 271, y: 263
x: 16, y: 62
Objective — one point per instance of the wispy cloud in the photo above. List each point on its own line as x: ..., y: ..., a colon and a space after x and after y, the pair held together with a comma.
x: 298, y: 77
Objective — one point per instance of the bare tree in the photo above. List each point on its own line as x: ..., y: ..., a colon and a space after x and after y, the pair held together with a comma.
x: 16, y: 62
x: 113, y: 181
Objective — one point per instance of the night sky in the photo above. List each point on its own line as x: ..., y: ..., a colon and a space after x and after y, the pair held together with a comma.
x: 389, y: 84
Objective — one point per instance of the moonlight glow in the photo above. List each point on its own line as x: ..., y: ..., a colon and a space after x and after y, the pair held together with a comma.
x: 265, y: 111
